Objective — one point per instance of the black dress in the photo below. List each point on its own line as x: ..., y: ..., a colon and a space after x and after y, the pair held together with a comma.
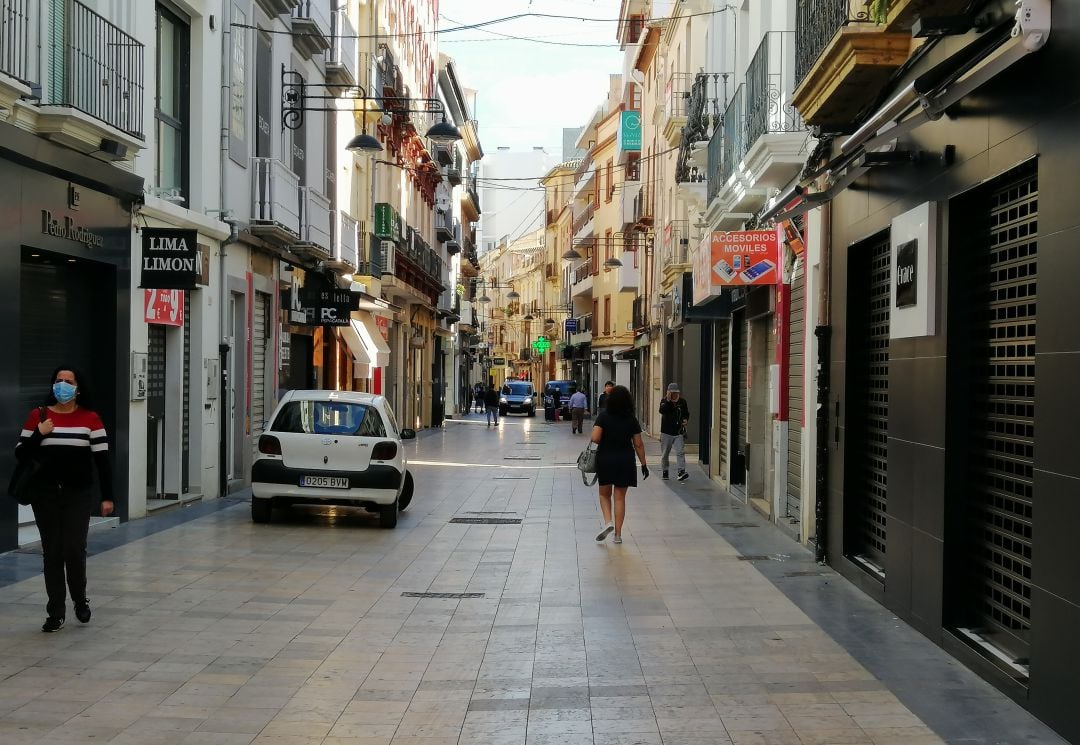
x: 615, y: 463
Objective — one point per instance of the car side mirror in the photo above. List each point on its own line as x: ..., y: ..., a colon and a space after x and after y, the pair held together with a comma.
x: 408, y: 434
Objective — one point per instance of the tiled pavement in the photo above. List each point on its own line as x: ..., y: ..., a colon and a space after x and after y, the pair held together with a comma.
x: 211, y: 630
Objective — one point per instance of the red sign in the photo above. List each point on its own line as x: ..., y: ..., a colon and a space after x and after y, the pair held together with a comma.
x: 736, y: 258
x: 164, y: 307
x: 384, y: 326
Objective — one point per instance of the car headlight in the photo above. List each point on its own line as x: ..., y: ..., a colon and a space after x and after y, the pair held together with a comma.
x: 528, y: 401
x: 502, y: 399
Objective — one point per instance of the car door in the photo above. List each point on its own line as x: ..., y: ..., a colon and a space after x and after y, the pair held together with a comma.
x: 319, y: 435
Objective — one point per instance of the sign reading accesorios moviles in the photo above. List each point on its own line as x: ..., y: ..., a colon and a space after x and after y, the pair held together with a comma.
x: 170, y: 259
x: 736, y: 258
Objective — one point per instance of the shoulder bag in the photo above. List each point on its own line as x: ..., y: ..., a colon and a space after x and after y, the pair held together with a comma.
x: 586, y: 463
x: 26, y: 471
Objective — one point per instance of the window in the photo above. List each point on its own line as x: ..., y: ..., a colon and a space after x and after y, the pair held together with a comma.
x: 610, y: 183
x: 607, y: 315
x: 329, y: 418
x: 635, y: 97
x: 607, y: 244
x: 633, y: 167
x: 172, y: 103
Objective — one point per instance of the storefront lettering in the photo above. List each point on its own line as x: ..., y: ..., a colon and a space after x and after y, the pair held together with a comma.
x: 67, y: 228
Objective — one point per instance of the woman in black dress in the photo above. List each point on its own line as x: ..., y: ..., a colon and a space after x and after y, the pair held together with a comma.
x: 618, y: 436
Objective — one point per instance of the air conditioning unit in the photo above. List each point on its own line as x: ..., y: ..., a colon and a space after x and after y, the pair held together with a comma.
x: 388, y: 249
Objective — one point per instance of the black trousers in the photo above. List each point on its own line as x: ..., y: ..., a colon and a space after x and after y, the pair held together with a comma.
x: 63, y: 520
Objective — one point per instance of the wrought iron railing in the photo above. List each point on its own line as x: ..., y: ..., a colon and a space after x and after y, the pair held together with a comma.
x: 317, y: 12
x: 583, y: 219
x: 676, y: 243
x: 716, y: 163
x: 343, y: 49
x: 275, y: 194
x: 817, y: 22
x: 17, y: 55
x: 643, y: 207
x: 677, y: 94
x: 581, y: 273
x: 770, y: 79
x: 734, y: 126
x: 98, y: 69
x: 346, y: 232
x: 314, y: 218
x: 640, y: 313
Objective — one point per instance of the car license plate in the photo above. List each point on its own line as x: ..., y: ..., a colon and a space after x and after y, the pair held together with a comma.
x: 325, y: 482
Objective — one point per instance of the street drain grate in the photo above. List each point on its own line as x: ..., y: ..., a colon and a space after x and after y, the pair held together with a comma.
x: 738, y: 525
x: 486, y: 520
x: 443, y: 595
x: 754, y: 557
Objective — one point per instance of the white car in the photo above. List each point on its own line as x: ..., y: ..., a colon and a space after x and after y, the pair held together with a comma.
x: 332, y: 447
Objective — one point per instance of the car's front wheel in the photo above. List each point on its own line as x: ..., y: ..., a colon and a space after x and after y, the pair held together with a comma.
x: 503, y: 411
x: 406, y: 492
x: 388, y: 515
x: 261, y: 510
x: 532, y: 412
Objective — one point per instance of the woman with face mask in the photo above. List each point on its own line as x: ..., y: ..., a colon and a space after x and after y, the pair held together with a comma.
x: 68, y: 439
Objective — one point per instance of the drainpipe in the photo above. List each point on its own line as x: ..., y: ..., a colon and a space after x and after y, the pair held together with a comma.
x: 823, y: 332
x: 223, y: 344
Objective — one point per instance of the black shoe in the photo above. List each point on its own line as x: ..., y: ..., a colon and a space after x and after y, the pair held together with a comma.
x: 52, y: 624
x: 82, y: 612
x: 683, y: 476
x: 664, y: 475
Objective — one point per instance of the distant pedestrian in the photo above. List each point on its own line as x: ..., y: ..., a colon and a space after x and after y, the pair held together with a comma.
x: 491, y: 401
x: 674, y: 415
x: 478, y: 397
x: 601, y: 400
x: 556, y: 403
x: 468, y: 398
x: 69, y: 441
x: 579, y: 405
x: 618, y: 436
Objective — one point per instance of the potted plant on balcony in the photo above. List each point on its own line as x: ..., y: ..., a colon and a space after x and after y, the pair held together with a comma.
x: 879, y: 11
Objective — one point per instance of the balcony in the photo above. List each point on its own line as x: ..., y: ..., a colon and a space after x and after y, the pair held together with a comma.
x: 584, y: 180
x: 17, y: 28
x: 453, y: 170
x: 643, y: 208
x: 444, y: 226
x: 370, y: 261
x: 311, y: 26
x: 842, y: 60
x: 581, y: 279
x: 95, y: 80
x: 676, y: 106
x: 627, y: 276
x: 675, y: 249
x: 277, y: 7
x: 775, y: 133
x: 315, y: 214
x: 275, y: 211
x: 470, y: 204
x: 629, y: 195
x: 342, y: 63
x: 585, y: 330
x: 417, y: 251
x: 584, y: 223
x: 639, y: 315
x: 443, y: 154
x: 345, y: 247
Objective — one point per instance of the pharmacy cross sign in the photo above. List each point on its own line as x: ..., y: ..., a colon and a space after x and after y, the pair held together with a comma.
x: 541, y: 345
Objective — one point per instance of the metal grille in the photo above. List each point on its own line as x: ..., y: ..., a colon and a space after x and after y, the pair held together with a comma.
x: 1003, y: 435
x: 443, y: 595
x: 155, y: 373
x: 185, y: 416
x: 743, y: 383
x: 258, y: 365
x: 723, y: 365
x: 869, y: 443
x: 486, y: 520
x: 796, y: 331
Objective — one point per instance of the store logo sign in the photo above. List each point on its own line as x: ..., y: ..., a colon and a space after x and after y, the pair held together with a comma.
x: 907, y: 277
x: 170, y: 259
x: 630, y: 131
x: 66, y: 228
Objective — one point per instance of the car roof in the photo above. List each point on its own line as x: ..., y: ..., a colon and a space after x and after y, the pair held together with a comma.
x: 355, y: 397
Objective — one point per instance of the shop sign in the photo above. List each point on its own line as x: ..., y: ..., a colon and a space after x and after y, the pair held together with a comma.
x: 170, y: 259
x: 630, y: 131
x: 66, y: 228
x: 163, y: 307
x: 329, y: 307
x: 571, y: 325
x: 914, y: 246
x: 498, y: 362
x: 383, y: 324
x: 387, y: 222
x: 541, y: 345
x: 907, y: 276
x: 736, y: 258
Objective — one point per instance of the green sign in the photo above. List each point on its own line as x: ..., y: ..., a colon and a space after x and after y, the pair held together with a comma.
x: 541, y: 345
x: 630, y: 132
x: 387, y: 222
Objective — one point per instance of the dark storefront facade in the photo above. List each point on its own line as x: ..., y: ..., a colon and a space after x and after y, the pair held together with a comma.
x: 941, y: 505
x: 66, y: 237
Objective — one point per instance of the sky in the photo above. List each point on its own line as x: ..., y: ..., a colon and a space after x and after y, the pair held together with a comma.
x: 528, y: 91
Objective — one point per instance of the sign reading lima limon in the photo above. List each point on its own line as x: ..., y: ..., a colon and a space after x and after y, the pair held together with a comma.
x: 170, y: 259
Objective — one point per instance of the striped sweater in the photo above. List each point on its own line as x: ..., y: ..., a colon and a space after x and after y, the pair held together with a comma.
x: 66, y: 453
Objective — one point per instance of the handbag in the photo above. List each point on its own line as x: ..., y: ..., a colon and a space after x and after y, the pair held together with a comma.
x: 586, y: 463
x: 26, y: 471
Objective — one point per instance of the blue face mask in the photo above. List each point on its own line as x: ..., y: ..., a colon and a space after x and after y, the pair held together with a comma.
x: 63, y: 391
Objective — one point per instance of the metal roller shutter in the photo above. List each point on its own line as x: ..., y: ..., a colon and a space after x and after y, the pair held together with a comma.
x: 868, y: 407
x: 796, y: 331
x: 723, y: 357
x: 185, y: 435
x: 744, y: 384
x: 258, y: 366
x: 1003, y: 432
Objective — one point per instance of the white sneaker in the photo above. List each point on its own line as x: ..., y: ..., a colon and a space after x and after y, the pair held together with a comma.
x: 617, y: 538
x: 605, y: 531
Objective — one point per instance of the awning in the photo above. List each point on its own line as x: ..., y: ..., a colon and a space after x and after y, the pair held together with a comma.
x: 378, y: 349
x: 361, y: 360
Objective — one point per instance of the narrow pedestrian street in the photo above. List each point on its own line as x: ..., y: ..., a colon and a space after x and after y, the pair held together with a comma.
x: 706, y: 626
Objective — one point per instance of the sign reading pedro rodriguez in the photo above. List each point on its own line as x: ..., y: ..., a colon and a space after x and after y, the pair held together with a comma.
x: 170, y: 259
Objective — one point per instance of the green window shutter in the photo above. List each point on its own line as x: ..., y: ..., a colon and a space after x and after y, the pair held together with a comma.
x: 57, y: 51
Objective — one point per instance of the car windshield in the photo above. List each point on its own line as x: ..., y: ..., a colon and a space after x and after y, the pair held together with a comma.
x: 517, y: 389
x: 329, y: 418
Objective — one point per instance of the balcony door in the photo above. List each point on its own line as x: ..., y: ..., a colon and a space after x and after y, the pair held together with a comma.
x: 172, y: 106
